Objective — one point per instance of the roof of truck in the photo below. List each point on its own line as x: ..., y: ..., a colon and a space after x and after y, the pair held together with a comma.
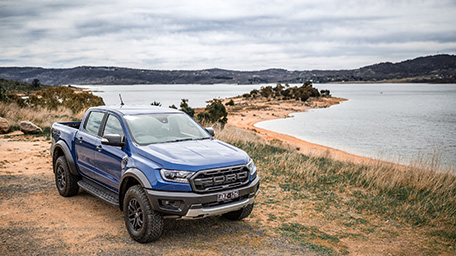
x: 137, y: 109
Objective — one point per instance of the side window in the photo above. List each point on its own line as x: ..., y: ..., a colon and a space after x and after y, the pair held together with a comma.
x: 93, y: 123
x: 113, y: 126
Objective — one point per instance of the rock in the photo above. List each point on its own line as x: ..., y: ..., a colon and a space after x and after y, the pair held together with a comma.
x: 4, y: 125
x: 29, y: 127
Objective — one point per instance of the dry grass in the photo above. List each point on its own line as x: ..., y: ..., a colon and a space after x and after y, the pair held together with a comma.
x: 43, y: 117
x: 349, y: 202
x: 440, y: 184
x: 230, y: 133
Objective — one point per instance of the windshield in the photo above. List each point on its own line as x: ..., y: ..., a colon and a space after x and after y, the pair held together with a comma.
x: 162, y: 128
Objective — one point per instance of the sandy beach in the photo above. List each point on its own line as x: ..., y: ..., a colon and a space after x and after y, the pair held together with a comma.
x: 247, y: 112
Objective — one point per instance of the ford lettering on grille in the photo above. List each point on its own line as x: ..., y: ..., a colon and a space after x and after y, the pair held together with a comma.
x: 218, y: 179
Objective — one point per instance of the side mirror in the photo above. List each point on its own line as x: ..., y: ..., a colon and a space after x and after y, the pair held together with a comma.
x: 113, y: 140
x: 211, y: 131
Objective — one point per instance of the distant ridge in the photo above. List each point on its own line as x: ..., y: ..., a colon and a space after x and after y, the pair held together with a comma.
x: 429, y: 69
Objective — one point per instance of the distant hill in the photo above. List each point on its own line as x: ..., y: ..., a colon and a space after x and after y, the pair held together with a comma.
x: 430, y: 69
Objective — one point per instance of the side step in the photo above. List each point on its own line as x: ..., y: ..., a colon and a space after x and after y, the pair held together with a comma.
x: 99, y: 191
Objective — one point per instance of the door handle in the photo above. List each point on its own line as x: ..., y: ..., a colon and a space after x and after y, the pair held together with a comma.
x: 99, y: 147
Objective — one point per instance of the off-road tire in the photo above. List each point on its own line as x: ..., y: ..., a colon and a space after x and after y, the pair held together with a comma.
x: 143, y: 223
x: 239, y: 214
x: 66, y: 182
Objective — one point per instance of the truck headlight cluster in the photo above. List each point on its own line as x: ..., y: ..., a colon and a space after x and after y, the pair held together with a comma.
x: 252, y: 168
x: 175, y: 175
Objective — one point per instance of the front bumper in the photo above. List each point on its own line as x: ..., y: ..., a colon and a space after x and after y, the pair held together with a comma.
x: 189, y: 205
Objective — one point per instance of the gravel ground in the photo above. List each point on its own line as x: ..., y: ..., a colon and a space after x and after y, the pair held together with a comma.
x: 36, y: 220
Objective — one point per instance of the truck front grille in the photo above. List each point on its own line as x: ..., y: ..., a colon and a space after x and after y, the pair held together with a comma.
x: 220, y: 178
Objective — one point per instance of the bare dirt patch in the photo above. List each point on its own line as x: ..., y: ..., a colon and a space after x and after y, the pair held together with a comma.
x: 36, y: 220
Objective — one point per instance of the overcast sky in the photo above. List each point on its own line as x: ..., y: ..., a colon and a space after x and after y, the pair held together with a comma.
x: 239, y: 35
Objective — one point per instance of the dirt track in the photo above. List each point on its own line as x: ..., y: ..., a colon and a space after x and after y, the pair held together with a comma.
x: 36, y: 220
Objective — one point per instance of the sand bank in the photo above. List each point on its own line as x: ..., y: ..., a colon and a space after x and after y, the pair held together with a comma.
x: 247, y: 112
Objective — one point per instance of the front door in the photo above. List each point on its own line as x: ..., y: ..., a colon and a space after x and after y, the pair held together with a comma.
x: 108, y: 159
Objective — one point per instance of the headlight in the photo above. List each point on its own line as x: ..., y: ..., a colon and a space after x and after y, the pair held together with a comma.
x: 251, y: 166
x: 175, y: 175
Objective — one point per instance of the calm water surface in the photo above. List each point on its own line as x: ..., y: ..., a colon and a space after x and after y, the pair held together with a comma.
x: 168, y: 94
x: 393, y: 122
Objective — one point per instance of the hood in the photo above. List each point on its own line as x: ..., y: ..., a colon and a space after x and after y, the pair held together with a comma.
x: 194, y: 155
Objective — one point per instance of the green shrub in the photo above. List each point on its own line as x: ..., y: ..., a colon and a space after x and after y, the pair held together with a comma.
x: 17, y: 99
x: 3, y: 96
x: 286, y: 92
x: 10, y: 86
x: 278, y: 90
x: 266, y: 91
x: 214, y: 113
x: 313, y: 92
x: 304, y: 96
x: 186, y: 108
x: 325, y: 93
x: 36, y: 83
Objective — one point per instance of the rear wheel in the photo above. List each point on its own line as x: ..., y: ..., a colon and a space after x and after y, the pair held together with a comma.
x: 66, y: 182
x: 239, y: 214
x: 143, y: 223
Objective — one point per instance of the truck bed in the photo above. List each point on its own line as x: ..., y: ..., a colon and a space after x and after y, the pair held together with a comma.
x: 65, y: 131
x: 74, y: 125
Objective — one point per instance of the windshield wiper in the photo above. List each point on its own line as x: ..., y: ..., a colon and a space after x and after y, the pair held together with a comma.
x: 204, y: 138
x: 186, y: 139
x: 178, y: 140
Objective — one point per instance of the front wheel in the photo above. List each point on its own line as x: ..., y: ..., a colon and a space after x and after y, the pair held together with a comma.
x: 143, y: 223
x: 239, y: 214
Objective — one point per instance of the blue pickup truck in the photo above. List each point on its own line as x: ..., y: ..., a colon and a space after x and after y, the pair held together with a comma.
x: 153, y: 163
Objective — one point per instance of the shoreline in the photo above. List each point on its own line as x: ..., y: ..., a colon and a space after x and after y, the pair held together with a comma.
x: 246, y: 113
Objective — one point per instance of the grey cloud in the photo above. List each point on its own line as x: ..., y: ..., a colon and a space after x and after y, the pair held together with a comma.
x: 226, y: 34
x: 100, y: 27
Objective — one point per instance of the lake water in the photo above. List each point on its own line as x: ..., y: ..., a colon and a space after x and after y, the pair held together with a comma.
x: 167, y: 94
x: 393, y: 122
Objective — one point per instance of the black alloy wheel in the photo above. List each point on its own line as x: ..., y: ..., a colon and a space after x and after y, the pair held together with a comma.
x: 135, y: 215
x: 60, y: 176
x: 65, y: 181
x: 143, y: 223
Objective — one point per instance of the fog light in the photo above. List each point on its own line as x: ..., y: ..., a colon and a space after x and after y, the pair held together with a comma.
x: 170, y: 204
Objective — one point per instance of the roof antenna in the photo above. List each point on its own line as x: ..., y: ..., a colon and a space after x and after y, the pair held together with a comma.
x: 121, y: 101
